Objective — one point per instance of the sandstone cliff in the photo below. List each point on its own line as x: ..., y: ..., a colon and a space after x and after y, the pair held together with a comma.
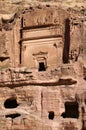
x: 42, y: 65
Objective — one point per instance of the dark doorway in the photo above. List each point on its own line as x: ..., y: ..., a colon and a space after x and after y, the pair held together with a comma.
x: 51, y: 115
x: 42, y: 66
x: 71, y: 110
x: 10, y: 103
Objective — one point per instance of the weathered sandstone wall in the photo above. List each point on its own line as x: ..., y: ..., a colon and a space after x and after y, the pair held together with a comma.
x: 43, y: 68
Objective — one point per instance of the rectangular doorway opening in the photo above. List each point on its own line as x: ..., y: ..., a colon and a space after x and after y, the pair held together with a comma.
x: 71, y: 110
x: 42, y: 66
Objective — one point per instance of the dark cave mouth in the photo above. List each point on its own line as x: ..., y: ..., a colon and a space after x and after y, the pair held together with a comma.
x: 12, y: 115
x: 51, y: 115
x: 11, y: 103
x: 71, y: 110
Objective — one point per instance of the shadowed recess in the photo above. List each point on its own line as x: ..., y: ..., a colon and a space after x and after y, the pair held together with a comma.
x: 42, y: 66
x: 10, y: 103
x: 71, y: 110
x: 13, y: 115
x: 51, y: 115
x: 67, y: 41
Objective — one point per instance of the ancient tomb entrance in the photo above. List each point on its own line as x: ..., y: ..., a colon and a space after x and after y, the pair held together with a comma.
x: 10, y: 103
x: 42, y: 66
x: 71, y: 110
x: 51, y: 115
x: 41, y: 60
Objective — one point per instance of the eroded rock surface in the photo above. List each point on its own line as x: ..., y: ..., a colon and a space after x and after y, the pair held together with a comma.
x: 42, y: 66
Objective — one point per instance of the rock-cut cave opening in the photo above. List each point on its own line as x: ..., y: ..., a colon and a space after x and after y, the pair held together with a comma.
x: 10, y: 103
x: 13, y: 115
x: 51, y: 115
x: 71, y: 110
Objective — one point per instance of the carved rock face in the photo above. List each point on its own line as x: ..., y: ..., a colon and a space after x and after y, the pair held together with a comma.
x: 42, y: 68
